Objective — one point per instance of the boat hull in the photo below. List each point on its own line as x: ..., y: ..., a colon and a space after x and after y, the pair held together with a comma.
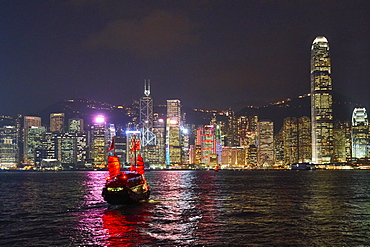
x: 126, y: 195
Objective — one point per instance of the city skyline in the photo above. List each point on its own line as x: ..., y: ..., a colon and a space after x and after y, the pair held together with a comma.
x: 208, y: 54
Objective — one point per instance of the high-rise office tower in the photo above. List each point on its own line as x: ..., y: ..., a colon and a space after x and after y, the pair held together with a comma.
x: 146, y: 117
x: 343, y: 128
x: 71, y: 148
x: 28, y: 122
x: 133, y: 145
x: 159, y: 130
x: 185, y: 142
x: 290, y: 127
x: 31, y: 121
x: 99, y: 142
x: 207, y: 142
x: 34, y: 142
x: 321, y: 102
x: 75, y: 125
x: 304, y: 139
x: 173, y: 135
x: 231, y: 130
x: 360, y: 134
x: 265, y: 148
x: 8, y: 147
x: 57, y: 122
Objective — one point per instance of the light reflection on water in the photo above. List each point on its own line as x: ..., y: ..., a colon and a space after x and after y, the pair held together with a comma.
x: 189, y: 208
x: 172, y: 216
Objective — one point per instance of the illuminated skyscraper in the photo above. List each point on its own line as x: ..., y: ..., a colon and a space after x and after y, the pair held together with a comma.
x: 160, y: 135
x: 343, y: 140
x: 207, y: 142
x: 304, y: 139
x: 34, y: 142
x: 360, y: 134
x: 265, y: 148
x: 290, y: 127
x: 28, y: 122
x: 99, y: 142
x: 57, y: 122
x: 146, y: 118
x: 8, y: 147
x: 173, y: 135
x: 321, y: 102
x: 75, y: 125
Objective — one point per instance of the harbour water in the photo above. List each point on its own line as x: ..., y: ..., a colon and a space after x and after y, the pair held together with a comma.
x: 189, y: 208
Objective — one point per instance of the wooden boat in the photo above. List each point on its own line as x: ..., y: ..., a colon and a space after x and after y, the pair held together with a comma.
x: 124, y: 187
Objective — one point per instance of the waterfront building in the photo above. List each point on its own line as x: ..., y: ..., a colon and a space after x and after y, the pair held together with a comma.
x: 185, y: 143
x: 48, y: 147
x: 360, y: 134
x: 265, y: 148
x: 148, y: 138
x: 98, y: 140
x: 242, y: 131
x: 226, y: 156
x: 321, y: 102
x: 75, y: 125
x: 133, y: 145
x: 71, y: 149
x: 57, y: 122
x: 279, y: 148
x: 159, y: 130
x: 339, y: 145
x: 198, y: 154
x: 173, y: 135
x: 111, y: 132
x: 28, y: 122
x: 304, y: 139
x: 252, y: 161
x: 345, y: 127
x: 238, y: 157
x: 218, y: 137
x: 230, y: 130
x: 290, y: 130
x: 34, y: 141
x: 207, y: 143
x: 120, y: 148
x: 8, y: 147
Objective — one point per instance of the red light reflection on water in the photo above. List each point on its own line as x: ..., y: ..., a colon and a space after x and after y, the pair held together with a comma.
x: 183, y: 209
x: 124, y: 226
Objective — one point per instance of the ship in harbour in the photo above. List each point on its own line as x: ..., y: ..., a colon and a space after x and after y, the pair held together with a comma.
x: 127, y: 186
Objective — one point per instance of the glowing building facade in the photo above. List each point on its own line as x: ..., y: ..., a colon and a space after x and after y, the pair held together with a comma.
x: 265, y: 148
x: 173, y: 135
x: 75, y: 125
x: 146, y: 119
x: 159, y: 129
x: 98, y: 142
x: 360, y: 134
x: 321, y: 102
x: 304, y: 139
x: 207, y: 142
x: 8, y: 147
x: 57, y: 122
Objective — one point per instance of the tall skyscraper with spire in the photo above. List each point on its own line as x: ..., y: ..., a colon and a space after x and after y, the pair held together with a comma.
x: 148, y: 139
x: 321, y: 102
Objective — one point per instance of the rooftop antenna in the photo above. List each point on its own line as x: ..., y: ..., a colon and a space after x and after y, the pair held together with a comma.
x: 147, y: 87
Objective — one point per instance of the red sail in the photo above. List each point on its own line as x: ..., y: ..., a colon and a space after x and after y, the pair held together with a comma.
x: 113, y: 166
x: 140, y: 165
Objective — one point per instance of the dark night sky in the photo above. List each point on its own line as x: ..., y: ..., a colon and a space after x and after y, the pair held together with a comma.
x: 210, y: 54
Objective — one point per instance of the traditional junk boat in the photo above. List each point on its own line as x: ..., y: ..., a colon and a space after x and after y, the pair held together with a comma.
x: 123, y: 187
